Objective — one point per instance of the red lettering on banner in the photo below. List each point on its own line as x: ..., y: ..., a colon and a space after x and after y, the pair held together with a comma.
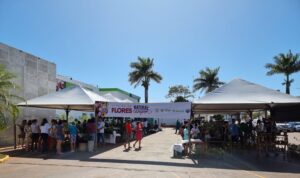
x: 121, y: 110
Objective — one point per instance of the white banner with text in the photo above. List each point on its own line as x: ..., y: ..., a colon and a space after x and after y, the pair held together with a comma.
x: 180, y: 110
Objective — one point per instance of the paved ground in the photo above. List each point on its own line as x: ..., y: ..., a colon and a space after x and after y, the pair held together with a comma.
x: 154, y: 160
x: 294, y: 138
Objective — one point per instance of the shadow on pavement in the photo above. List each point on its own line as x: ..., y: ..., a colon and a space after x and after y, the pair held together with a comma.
x: 240, y: 160
x: 236, y: 161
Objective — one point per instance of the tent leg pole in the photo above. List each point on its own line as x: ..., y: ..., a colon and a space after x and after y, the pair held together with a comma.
x: 250, y: 114
x: 96, y: 135
x: 15, y: 134
x: 266, y: 114
x: 67, y: 115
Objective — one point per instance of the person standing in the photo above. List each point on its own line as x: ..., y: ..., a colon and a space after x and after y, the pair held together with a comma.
x: 145, y: 126
x: 127, y: 134
x: 73, y: 135
x: 91, y: 129
x: 101, y: 126
x: 138, y: 134
x: 133, y: 126
x: 28, y: 135
x: 186, y: 135
x: 22, y: 133
x: 195, y: 131
x: 234, y: 131
x: 59, y: 136
x: 35, y: 135
x: 177, y: 126
x: 45, y: 127
x: 52, y: 135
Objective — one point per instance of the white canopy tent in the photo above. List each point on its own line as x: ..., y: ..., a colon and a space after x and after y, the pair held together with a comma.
x: 240, y: 95
x: 72, y: 98
x: 113, y: 98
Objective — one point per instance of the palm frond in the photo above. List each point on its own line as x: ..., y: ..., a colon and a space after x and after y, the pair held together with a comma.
x: 208, y: 80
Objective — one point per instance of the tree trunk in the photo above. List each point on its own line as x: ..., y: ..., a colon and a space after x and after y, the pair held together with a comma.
x: 15, y: 134
x: 146, y: 94
x: 287, y: 85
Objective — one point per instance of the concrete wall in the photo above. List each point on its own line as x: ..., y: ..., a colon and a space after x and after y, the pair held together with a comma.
x: 35, y: 77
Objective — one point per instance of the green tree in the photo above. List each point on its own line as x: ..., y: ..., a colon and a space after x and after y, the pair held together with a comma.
x: 208, y: 80
x: 7, y: 107
x: 143, y: 73
x: 218, y: 117
x: 179, y: 93
x: 286, y: 64
x: 84, y: 116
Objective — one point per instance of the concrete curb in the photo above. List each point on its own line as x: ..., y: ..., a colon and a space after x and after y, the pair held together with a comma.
x: 4, y: 159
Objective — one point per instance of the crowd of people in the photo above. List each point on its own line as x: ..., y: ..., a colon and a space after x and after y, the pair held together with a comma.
x: 244, y: 133
x: 46, y: 136
x: 59, y: 135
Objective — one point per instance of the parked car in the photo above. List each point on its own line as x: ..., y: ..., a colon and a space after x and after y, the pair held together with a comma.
x: 297, y: 128
x: 292, y: 126
x: 281, y: 127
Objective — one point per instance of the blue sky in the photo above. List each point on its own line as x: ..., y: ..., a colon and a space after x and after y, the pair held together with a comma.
x: 95, y: 41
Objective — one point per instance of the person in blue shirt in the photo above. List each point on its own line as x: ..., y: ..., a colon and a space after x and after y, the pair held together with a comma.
x: 185, y: 133
x: 234, y: 131
x: 73, y: 135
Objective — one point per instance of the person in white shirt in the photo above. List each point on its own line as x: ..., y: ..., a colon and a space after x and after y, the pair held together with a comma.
x: 133, y: 124
x: 45, y: 127
x: 100, y: 129
x: 195, y: 131
x: 145, y: 125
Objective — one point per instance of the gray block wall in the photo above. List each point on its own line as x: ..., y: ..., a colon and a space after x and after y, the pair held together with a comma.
x: 35, y: 77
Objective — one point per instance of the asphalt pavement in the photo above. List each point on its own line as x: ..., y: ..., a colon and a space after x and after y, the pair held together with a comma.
x: 155, y: 159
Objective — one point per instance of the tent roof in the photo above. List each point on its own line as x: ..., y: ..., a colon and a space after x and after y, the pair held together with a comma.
x: 241, y: 95
x: 110, y: 97
x: 72, y: 98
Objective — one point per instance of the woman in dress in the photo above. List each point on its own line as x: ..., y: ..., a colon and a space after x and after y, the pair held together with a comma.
x: 138, y: 134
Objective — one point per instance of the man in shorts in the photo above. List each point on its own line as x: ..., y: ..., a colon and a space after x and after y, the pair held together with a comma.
x: 127, y: 134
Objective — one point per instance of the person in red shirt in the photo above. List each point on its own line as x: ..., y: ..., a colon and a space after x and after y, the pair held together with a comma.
x: 138, y: 134
x: 127, y: 134
x: 91, y: 129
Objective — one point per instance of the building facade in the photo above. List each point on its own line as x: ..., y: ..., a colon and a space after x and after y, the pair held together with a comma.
x: 37, y: 77
x: 34, y: 76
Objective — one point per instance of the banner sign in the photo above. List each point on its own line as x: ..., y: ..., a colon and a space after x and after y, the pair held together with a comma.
x: 180, y: 110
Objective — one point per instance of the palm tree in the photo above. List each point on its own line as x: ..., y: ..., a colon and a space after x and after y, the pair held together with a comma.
x: 142, y: 74
x: 208, y: 80
x: 7, y: 107
x: 286, y: 64
x: 6, y: 97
